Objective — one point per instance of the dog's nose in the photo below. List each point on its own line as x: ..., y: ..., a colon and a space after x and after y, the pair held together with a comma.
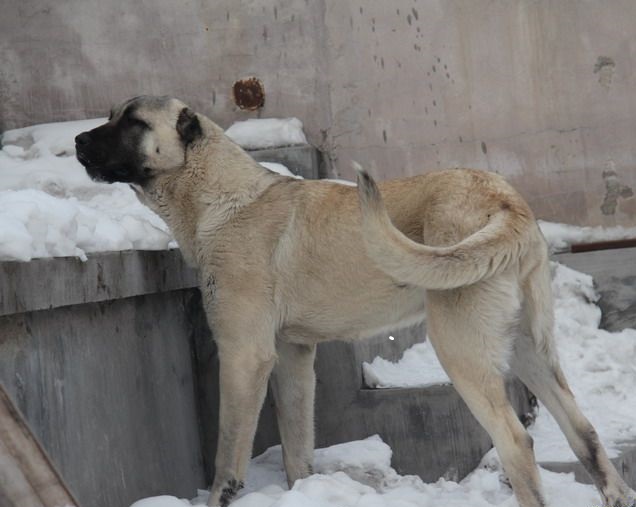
x: 83, y: 139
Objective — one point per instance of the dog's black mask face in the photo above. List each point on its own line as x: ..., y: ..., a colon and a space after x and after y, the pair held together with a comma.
x: 112, y: 152
x: 143, y: 138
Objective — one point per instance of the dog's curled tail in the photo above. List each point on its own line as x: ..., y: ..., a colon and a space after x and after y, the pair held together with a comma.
x: 479, y: 256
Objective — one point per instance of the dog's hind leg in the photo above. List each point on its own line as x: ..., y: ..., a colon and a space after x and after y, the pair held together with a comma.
x: 463, y: 326
x: 535, y: 362
x: 293, y: 384
x: 246, y: 357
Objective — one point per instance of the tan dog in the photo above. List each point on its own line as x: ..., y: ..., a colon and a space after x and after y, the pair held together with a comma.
x: 285, y: 264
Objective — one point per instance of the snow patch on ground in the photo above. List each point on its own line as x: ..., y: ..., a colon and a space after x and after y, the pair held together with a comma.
x: 598, y: 364
x: 267, y: 133
x: 359, y: 474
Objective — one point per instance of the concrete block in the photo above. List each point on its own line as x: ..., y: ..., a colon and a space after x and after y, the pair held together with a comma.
x: 303, y: 160
x: 614, y: 273
x: 62, y: 281
x: 108, y: 388
x: 431, y: 430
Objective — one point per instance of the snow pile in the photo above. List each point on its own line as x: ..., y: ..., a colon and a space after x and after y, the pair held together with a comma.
x: 267, y: 133
x: 49, y: 206
x: 561, y: 236
x: 359, y: 474
x: 598, y: 364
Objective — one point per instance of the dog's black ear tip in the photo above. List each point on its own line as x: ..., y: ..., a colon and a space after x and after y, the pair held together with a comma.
x: 188, y: 125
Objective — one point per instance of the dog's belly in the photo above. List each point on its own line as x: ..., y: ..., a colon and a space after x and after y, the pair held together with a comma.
x: 357, y: 318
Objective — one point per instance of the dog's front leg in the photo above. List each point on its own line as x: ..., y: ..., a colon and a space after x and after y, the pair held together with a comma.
x: 246, y: 357
x: 294, y: 384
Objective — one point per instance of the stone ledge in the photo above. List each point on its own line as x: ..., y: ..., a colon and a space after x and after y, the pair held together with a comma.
x: 303, y: 160
x: 61, y: 281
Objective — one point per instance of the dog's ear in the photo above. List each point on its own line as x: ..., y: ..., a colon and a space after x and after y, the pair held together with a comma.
x: 188, y: 126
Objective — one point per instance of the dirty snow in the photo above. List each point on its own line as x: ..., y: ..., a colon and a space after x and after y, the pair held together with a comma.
x: 49, y: 207
x: 359, y: 474
x: 598, y: 364
x: 267, y: 132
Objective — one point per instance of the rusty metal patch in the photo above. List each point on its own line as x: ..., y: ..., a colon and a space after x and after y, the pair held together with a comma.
x: 249, y: 93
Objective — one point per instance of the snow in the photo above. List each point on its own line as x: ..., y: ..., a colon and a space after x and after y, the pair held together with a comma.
x: 267, y: 133
x: 561, y: 236
x: 359, y: 474
x: 49, y: 207
x: 598, y: 364
x: 280, y: 169
x: 418, y: 367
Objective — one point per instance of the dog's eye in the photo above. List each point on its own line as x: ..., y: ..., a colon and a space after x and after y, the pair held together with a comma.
x: 139, y: 123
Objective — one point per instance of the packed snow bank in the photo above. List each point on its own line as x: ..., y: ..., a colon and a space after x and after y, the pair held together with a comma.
x: 359, y: 474
x: 267, y: 133
x: 561, y: 236
x: 598, y: 364
x: 49, y: 207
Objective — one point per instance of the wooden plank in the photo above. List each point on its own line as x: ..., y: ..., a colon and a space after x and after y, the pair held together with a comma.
x: 603, y: 245
x: 27, y: 476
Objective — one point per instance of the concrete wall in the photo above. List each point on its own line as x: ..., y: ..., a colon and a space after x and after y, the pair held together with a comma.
x: 74, y: 59
x: 125, y: 403
x: 537, y: 90
x: 540, y: 91
x: 114, y: 367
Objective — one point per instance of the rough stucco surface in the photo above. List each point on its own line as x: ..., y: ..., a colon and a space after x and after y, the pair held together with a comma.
x: 541, y: 92
x: 537, y: 90
x: 73, y: 59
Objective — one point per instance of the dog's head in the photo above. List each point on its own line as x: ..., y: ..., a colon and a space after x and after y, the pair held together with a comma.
x: 144, y: 138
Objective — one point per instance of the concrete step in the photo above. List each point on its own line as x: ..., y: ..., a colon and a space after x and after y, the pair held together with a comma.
x: 430, y: 429
x: 625, y: 463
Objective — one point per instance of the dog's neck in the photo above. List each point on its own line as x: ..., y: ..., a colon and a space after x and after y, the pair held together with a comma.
x: 217, y: 179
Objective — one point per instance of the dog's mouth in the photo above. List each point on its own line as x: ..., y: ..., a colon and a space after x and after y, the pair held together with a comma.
x: 97, y: 171
x: 82, y: 158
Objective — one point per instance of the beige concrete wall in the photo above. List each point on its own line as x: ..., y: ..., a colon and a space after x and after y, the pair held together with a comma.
x: 75, y: 58
x: 541, y: 91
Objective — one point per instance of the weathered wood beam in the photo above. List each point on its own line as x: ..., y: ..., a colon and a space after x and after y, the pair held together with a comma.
x: 27, y: 475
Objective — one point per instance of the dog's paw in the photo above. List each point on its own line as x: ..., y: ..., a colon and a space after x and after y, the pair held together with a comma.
x: 221, y: 497
x: 628, y: 500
